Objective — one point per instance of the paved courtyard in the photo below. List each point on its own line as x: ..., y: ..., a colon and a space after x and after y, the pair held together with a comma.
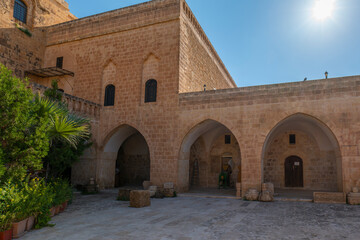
x: 101, y: 217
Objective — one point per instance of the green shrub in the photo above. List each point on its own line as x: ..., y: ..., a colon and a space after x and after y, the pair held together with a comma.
x: 23, y: 131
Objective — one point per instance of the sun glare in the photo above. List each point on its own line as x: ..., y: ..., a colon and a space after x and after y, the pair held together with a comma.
x: 323, y: 9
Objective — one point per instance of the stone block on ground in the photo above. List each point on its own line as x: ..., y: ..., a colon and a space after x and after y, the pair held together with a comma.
x: 252, y: 195
x: 329, y: 197
x: 268, y: 187
x: 152, y: 190
x: 353, y: 198
x: 168, y: 192
x: 124, y: 194
x: 139, y: 198
x: 266, y: 196
x: 146, y: 185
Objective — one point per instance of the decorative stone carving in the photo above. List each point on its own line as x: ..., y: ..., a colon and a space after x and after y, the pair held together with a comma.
x: 139, y: 198
x: 266, y: 196
x: 355, y: 190
x: 252, y: 195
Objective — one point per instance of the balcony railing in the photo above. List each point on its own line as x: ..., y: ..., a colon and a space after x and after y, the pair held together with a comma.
x: 75, y: 104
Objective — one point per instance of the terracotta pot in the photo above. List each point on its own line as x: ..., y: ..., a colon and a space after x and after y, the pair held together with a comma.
x: 52, y: 211
x: 6, y: 235
x: 57, y: 209
x: 63, y: 206
x: 30, y: 223
x: 19, y: 228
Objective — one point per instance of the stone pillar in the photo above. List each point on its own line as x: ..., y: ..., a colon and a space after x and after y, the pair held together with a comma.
x: 238, y: 190
x: 105, y: 169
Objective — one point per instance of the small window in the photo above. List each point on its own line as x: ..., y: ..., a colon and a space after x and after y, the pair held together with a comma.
x: 109, y: 95
x: 292, y: 139
x: 227, y: 139
x: 20, y: 11
x: 150, y: 90
x: 59, y: 62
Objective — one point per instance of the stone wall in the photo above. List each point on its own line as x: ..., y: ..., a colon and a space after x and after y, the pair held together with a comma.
x: 199, y: 63
x: 21, y: 52
x: 319, y: 167
x: 251, y: 113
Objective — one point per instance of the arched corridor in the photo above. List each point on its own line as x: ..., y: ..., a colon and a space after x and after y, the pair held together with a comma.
x: 301, y: 152
x: 209, y: 150
x: 126, y: 157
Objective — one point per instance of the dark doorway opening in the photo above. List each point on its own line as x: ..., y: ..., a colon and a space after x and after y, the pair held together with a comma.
x: 294, y: 172
x: 133, y: 162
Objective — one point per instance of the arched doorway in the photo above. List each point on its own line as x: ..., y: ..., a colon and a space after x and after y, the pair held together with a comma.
x: 294, y: 172
x: 133, y: 162
x: 126, y: 159
x: 302, y: 152
x: 208, y: 150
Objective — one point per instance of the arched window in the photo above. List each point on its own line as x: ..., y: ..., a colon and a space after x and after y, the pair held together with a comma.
x: 20, y: 11
x: 109, y: 95
x: 150, y: 90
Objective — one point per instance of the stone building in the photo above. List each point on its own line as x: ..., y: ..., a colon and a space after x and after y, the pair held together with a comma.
x: 139, y: 73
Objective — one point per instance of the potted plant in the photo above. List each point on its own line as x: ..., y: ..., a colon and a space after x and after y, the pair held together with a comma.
x: 5, y: 224
x: 19, y: 199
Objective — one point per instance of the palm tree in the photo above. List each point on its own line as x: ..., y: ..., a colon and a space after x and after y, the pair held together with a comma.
x: 63, y: 125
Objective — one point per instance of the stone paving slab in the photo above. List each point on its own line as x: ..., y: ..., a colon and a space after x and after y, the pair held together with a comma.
x: 95, y: 217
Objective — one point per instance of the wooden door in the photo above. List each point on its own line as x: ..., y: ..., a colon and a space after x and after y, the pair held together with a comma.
x: 294, y: 172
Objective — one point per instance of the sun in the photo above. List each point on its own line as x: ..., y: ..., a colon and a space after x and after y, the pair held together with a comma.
x: 323, y: 9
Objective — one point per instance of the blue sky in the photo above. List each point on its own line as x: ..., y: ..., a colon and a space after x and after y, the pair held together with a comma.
x: 265, y: 42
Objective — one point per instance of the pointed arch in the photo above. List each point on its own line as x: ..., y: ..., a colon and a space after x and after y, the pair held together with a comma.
x: 317, y: 131
x: 210, y: 131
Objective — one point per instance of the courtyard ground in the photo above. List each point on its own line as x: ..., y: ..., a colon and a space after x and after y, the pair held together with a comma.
x: 101, y: 217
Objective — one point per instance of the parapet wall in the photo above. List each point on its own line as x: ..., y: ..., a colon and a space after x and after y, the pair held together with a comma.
x: 123, y: 19
x: 199, y: 62
x: 294, y: 91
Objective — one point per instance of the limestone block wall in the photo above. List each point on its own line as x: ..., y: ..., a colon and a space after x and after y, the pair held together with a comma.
x: 21, y: 52
x: 251, y: 113
x: 40, y: 13
x: 319, y: 167
x: 199, y: 62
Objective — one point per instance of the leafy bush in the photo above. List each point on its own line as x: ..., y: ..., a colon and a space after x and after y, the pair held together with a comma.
x: 23, y: 132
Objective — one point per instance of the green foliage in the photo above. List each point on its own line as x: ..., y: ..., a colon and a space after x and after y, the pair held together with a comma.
x: 69, y: 133
x: 24, y: 30
x: 63, y: 125
x: 63, y: 155
x: 32, y: 197
x: 23, y: 128
x: 62, y: 190
x: 53, y: 93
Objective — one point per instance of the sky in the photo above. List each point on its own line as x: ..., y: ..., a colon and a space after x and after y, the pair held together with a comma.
x: 270, y: 41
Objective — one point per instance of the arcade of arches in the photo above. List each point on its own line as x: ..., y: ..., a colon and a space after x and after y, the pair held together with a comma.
x: 299, y: 152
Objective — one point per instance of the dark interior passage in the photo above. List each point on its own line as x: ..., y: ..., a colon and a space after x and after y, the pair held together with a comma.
x: 133, y: 162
